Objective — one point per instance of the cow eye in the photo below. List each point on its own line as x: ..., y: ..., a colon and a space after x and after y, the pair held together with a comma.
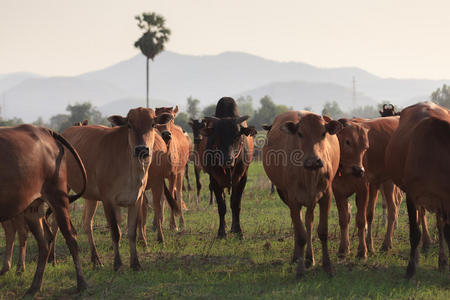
x: 347, y: 142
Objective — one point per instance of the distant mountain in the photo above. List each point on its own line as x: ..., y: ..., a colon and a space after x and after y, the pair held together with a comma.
x: 300, y: 94
x: 174, y: 77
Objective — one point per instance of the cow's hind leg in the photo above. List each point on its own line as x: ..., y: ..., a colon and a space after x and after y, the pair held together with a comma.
x: 414, y: 237
x: 391, y: 203
x: 236, y: 198
x: 88, y: 217
x: 142, y: 221
x: 426, y: 240
x: 322, y: 230
x: 35, y: 223
x: 198, y: 183
x: 22, y: 230
x: 179, y: 193
x: 10, y: 235
x: 372, y: 203
x: 443, y: 262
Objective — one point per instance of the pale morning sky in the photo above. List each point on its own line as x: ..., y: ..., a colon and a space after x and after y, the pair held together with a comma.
x: 391, y: 38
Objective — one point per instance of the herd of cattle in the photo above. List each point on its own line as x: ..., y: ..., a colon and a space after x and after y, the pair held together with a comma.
x: 307, y: 157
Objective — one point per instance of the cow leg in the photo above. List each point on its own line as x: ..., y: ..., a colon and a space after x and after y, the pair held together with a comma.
x: 179, y: 193
x: 157, y: 209
x: 88, y: 217
x: 361, y: 205
x: 37, y: 229
x: 309, y: 220
x: 299, y: 239
x: 236, y: 198
x: 55, y: 229
x: 344, y: 221
x: 221, y: 207
x: 142, y: 221
x: 384, y: 207
x: 22, y: 230
x: 116, y: 234
x: 442, y: 257
x: 198, y: 182
x: 133, y: 215
x: 61, y: 207
x: 172, y: 185
x: 426, y: 240
x: 186, y: 175
x: 372, y: 203
x: 447, y: 235
x: 322, y: 230
x: 414, y: 238
x: 10, y: 235
x: 388, y: 192
x: 211, y: 191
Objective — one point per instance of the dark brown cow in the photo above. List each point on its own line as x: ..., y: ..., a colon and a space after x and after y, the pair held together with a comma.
x: 196, y: 126
x: 117, y: 161
x: 418, y: 159
x: 301, y: 157
x: 32, y: 160
x: 225, y: 155
x: 388, y: 110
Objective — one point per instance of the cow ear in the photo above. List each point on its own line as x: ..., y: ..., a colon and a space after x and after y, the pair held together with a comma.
x: 207, y: 131
x: 267, y: 127
x: 242, y: 119
x: 289, y: 127
x: 344, y: 122
x: 163, y: 118
x: 326, y: 118
x: 249, y: 131
x: 118, y: 120
x: 334, y: 127
x: 176, y: 109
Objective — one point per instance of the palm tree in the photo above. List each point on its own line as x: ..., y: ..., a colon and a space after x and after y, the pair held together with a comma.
x: 154, y: 37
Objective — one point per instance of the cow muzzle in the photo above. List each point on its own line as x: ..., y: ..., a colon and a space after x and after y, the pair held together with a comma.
x: 167, y: 136
x: 358, y: 171
x: 313, y: 163
x: 141, y: 151
x: 229, y: 163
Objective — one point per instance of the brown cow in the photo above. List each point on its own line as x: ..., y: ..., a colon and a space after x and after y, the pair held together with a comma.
x: 33, y: 167
x: 353, y: 142
x: 418, y: 159
x: 225, y: 155
x: 178, y: 151
x: 301, y: 157
x: 117, y: 161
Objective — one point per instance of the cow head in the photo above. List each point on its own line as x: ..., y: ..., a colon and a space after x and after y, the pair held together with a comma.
x: 311, y: 131
x: 353, y: 142
x: 388, y: 111
x: 165, y: 129
x: 141, y: 134
x: 226, y: 136
x: 196, y: 126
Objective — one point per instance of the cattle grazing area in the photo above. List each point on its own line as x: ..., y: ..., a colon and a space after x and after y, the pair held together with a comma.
x: 193, y: 263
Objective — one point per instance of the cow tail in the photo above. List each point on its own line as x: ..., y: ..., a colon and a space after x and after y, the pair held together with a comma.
x: 65, y: 143
x: 171, y: 200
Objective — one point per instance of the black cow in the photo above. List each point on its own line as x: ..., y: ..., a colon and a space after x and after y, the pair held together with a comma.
x: 225, y: 156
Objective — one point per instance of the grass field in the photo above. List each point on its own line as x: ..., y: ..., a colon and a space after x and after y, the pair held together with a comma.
x: 194, y: 264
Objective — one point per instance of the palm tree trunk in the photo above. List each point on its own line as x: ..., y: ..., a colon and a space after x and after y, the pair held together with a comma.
x: 147, y: 82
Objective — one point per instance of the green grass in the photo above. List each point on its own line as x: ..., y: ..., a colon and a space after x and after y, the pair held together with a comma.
x: 194, y: 264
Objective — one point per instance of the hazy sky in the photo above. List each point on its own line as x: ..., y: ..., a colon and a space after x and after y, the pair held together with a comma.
x: 391, y: 38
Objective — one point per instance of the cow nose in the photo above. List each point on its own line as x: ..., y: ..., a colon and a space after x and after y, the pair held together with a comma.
x: 313, y: 163
x: 358, y: 171
x: 166, y: 135
x: 141, y: 151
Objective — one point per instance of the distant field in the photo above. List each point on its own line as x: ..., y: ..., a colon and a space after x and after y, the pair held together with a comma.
x: 193, y: 264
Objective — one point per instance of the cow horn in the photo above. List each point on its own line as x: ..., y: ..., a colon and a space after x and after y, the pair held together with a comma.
x: 241, y: 119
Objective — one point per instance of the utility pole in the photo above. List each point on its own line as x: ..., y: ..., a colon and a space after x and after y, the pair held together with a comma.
x: 354, y: 93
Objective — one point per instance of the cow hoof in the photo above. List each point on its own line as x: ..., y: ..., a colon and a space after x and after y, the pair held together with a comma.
x: 301, y: 270
x: 385, y: 248
x: 411, y: 270
x: 136, y: 266
x: 96, y: 262
x: 117, y: 266
x: 4, y: 271
x: 443, y: 264
x: 81, y: 285
x: 19, y: 271
x: 309, y: 262
x: 361, y: 255
x: 343, y: 254
x: 328, y: 268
